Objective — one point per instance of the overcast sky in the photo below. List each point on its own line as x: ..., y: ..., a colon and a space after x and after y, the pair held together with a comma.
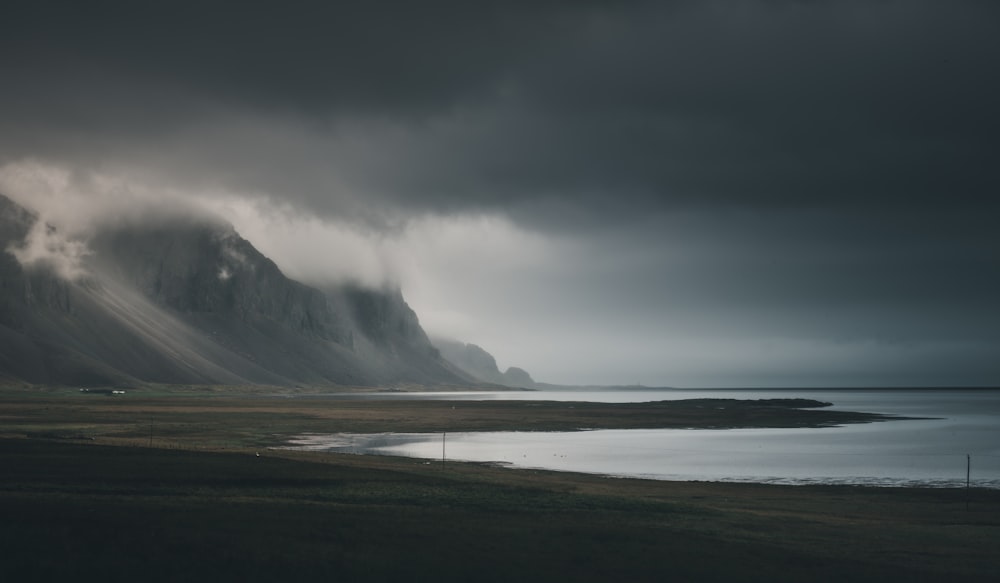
x: 711, y: 193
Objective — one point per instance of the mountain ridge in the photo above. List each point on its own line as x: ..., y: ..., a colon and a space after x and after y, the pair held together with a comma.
x: 189, y: 301
x: 480, y: 364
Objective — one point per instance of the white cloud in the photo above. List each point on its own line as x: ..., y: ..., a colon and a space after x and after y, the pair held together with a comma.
x: 45, y: 246
x: 464, y: 275
x: 77, y: 201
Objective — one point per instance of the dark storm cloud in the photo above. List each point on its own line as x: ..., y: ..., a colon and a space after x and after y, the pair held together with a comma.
x: 783, y: 103
x: 384, y: 58
x: 865, y: 276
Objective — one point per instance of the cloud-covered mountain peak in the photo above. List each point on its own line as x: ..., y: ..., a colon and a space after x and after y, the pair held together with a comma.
x: 191, y: 301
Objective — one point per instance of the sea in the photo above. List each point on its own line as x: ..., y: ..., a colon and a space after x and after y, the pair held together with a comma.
x: 955, y: 443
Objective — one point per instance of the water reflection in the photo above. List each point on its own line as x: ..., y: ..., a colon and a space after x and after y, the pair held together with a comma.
x: 920, y: 452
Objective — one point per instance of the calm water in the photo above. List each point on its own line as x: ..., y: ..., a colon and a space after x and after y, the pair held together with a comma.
x: 895, y: 453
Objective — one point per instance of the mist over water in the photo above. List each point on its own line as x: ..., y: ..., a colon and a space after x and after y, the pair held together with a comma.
x: 922, y: 452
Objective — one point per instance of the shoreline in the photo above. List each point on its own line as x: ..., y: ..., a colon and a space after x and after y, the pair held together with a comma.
x: 222, y: 423
x: 257, y: 421
x: 86, y: 509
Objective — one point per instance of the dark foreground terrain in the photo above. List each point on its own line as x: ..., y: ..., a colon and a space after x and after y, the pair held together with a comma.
x: 84, y: 498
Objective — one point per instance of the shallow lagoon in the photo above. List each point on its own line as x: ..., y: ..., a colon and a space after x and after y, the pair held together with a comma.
x: 925, y: 452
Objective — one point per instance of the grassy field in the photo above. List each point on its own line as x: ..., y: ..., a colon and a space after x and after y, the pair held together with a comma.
x: 84, y: 497
x: 222, y: 420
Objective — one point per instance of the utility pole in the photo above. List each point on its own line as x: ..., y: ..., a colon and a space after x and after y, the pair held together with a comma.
x: 968, y: 471
x: 150, y: 431
x: 444, y: 435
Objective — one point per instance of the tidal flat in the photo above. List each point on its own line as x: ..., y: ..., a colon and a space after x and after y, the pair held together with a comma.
x: 161, y: 488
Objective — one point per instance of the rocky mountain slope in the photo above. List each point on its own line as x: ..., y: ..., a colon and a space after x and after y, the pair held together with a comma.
x: 185, y: 300
x: 481, y: 365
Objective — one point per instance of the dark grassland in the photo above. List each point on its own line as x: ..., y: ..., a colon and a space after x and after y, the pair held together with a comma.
x: 223, y: 420
x: 84, y: 498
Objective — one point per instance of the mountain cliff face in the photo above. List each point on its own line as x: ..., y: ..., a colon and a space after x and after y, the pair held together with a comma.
x: 190, y: 301
x: 480, y: 364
